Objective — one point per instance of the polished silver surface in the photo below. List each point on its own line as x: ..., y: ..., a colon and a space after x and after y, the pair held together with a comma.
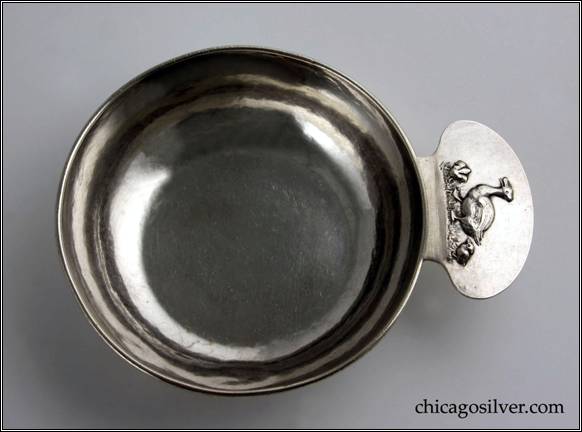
x: 243, y: 220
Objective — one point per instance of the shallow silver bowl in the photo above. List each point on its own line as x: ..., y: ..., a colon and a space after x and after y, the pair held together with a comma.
x: 244, y: 220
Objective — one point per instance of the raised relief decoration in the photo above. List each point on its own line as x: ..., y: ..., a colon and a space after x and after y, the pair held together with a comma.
x: 471, y: 214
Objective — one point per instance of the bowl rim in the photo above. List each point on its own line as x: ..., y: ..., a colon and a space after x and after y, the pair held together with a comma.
x: 67, y: 260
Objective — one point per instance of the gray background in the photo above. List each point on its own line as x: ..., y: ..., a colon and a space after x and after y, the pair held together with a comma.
x: 514, y: 68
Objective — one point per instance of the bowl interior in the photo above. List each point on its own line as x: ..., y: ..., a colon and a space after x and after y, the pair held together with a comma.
x: 241, y: 220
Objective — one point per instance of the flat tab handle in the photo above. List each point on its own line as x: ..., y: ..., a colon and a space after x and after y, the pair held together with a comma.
x: 479, y: 209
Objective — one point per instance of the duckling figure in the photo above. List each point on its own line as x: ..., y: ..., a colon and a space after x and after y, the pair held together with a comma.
x: 460, y: 172
x: 465, y: 251
x: 476, y: 213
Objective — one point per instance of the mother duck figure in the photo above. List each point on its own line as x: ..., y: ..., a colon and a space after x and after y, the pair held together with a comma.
x: 476, y: 212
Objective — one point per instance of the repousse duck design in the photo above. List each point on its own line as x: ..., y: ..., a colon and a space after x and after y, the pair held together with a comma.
x: 471, y: 214
x: 477, y: 211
